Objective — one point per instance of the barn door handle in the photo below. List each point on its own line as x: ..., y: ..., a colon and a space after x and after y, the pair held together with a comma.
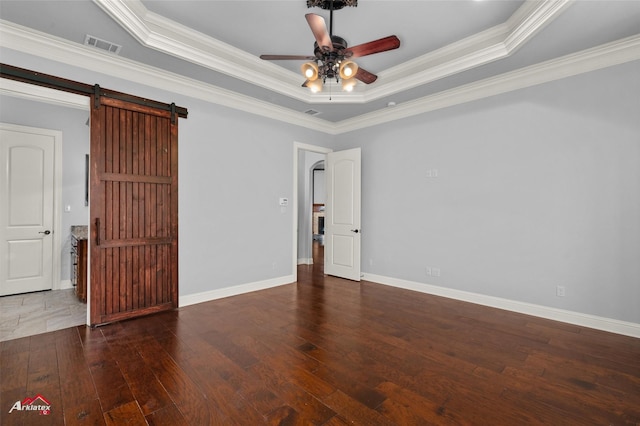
x: 47, y: 232
x: 97, y: 231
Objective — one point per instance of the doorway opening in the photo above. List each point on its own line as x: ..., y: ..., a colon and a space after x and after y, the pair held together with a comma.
x: 306, y: 244
x: 318, y: 195
x: 35, y: 299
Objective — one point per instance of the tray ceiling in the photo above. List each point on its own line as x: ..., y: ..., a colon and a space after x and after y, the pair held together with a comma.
x: 446, y: 46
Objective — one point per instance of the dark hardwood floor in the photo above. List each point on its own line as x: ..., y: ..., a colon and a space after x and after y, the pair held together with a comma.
x: 325, y: 351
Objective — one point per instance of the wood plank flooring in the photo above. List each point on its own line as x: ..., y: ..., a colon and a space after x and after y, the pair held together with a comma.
x: 325, y: 351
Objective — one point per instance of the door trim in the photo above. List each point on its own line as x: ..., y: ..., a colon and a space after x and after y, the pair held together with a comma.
x: 297, y: 147
x: 57, y: 193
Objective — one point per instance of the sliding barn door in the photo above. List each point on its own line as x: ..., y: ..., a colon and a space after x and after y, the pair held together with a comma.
x: 134, y: 211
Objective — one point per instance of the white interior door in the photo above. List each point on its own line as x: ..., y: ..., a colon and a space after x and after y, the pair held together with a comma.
x: 342, y: 214
x: 26, y: 209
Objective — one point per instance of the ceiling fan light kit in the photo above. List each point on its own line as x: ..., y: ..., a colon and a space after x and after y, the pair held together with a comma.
x: 348, y: 69
x: 310, y: 71
x: 349, y: 84
x: 331, y: 54
x: 315, y: 86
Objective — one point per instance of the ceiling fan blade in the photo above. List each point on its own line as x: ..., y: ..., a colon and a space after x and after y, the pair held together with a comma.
x: 376, y: 46
x: 287, y: 57
x: 319, y: 30
x: 365, y: 76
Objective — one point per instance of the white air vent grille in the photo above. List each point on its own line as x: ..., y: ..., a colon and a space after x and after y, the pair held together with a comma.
x: 312, y: 112
x: 90, y: 40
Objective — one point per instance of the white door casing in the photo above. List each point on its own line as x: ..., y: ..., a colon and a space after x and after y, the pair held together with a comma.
x: 342, y: 214
x: 297, y: 148
x: 29, y: 185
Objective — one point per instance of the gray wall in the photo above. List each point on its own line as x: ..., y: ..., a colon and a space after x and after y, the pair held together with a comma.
x: 319, y: 187
x: 535, y: 188
x: 233, y: 168
x: 75, y: 145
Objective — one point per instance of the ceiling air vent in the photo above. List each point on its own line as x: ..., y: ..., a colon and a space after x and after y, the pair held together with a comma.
x: 312, y: 112
x: 90, y: 40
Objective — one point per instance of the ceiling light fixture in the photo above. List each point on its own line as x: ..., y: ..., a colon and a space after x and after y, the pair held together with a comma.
x: 330, y: 61
x: 331, y: 55
x: 330, y: 64
x: 310, y: 71
x: 332, y: 4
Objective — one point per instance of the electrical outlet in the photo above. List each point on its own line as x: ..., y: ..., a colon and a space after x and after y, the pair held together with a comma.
x: 560, y: 291
x: 432, y: 272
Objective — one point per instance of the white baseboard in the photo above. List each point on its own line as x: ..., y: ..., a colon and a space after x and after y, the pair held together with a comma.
x: 307, y: 261
x: 192, y: 299
x: 65, y: 284
x: 576, y: 318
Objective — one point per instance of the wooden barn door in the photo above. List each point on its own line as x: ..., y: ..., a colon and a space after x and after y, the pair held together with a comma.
x: 134, y: 211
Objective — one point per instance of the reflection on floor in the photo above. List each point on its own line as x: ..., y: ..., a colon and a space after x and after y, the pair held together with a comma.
x: 28, y: 314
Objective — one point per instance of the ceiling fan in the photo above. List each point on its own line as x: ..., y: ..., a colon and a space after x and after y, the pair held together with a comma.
x: 331, y: 54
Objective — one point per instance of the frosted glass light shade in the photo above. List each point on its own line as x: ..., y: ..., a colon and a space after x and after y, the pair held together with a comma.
x: 348, y: 69
x: 348, y: 84
x: 315, y: 86
x: 310, y: 70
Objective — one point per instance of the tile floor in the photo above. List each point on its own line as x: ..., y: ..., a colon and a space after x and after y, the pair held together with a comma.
x: 29, y: 314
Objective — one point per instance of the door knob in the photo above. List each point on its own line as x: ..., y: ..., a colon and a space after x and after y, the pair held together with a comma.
x: 47, y: 232
x: 355, y: 230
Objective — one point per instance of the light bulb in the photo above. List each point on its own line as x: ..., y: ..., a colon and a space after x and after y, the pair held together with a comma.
x: 310, y: 70
x: 348, y: 69
x: 315, y: 86
x: 349, y: 84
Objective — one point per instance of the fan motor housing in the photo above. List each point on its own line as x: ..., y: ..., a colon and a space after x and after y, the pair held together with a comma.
x: 339, y: 46
x: 329, y: 60
x: 332, y: 4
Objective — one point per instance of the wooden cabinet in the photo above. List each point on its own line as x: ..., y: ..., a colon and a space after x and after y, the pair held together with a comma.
x: 79, y: 261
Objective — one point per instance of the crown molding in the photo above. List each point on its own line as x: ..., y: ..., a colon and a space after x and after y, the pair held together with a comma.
x: 530, y: 19
x: 606, y: 55
x: 487, y: 46
x: 18, y: 89
x: 28, y: 41
x: 159, y: 33
x: 162, y: 34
